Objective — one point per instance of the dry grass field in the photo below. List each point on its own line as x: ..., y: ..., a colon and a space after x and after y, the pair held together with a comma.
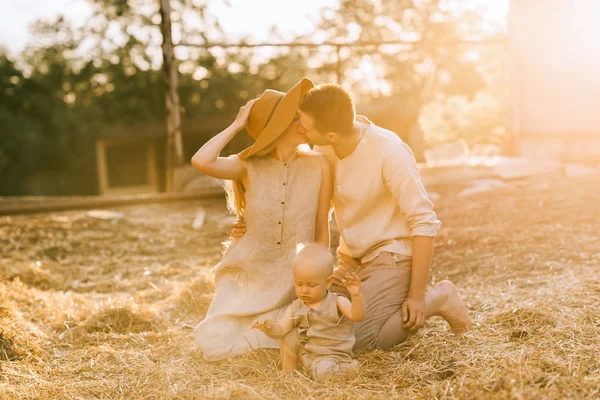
x: 96, y: 308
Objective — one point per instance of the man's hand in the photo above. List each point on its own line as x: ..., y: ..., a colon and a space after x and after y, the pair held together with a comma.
x: 239, y: 229
x: 413, y: 313
x: 352, y: 284
x: 264, y: 325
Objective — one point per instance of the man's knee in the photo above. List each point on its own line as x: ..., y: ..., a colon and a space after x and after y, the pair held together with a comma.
x: 366, y: 339
x: 386, y: 342
x: 392, y: 333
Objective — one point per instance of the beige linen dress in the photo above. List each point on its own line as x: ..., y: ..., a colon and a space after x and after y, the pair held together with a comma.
x: 254, y: 279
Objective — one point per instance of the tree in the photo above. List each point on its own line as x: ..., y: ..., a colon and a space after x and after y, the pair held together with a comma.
x: 34, y: 123
x: 438, y: 67
x: 418, y: 69
x: 103, y: 76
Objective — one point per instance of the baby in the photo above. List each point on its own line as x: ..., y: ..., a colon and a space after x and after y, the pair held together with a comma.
x: 324, y: 332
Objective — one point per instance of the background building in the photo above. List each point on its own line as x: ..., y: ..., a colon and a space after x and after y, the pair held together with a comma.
x: 556, y: 80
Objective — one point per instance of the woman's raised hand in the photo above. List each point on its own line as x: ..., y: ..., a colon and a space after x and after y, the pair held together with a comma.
x: 243, y: 114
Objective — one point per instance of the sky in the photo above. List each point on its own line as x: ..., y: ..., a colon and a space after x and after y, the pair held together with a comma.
x: 244, y: 17
x: 290, y: 17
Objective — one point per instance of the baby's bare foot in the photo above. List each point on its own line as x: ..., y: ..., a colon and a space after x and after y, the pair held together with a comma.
x: 453, y: 310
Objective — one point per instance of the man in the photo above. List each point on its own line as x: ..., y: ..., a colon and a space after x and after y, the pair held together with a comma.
x: 386, y: 222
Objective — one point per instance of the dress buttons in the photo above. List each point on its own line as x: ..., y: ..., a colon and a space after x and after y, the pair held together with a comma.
x: 278, y: 242
x: 283, y: 183
x: 279, y: 222
x: 282, y: 202
x: 285, y: 165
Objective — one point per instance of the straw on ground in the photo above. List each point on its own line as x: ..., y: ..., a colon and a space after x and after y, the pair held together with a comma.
x: 104, y: 309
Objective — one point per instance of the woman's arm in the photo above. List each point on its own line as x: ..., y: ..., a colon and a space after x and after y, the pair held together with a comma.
x: 324, y: 206
x: 207, y: 158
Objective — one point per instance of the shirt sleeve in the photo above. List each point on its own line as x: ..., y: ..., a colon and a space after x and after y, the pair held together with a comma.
x: 400, y: 174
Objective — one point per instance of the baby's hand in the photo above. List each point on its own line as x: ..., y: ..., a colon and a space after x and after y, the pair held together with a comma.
x: 264, y: 325
x: 338, y: 276
x: 352, y: 283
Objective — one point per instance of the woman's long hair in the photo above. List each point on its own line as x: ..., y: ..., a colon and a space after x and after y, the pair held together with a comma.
x: 234, y: 190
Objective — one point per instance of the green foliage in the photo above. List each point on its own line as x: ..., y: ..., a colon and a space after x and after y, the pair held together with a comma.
x: 34, y: 125
x: 480, y: 120
x: 459, y: 89
x: 413, y: 70
x: 87, y: 83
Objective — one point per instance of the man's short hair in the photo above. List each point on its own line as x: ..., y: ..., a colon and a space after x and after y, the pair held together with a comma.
x: 331, y: 107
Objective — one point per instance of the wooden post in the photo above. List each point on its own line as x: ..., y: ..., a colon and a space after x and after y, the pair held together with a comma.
x: 173, y: 114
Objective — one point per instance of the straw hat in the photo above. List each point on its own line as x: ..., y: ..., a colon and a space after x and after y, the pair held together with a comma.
x: 271, y: 114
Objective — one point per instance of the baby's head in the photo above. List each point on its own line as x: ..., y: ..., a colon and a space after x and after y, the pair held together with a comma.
x: 312, y: 267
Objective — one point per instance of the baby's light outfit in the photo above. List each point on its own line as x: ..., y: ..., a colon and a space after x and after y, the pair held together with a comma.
x: 323, y: 338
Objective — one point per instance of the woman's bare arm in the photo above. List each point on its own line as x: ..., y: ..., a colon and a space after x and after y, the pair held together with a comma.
x: 324, y: 206
x: 207, y: 158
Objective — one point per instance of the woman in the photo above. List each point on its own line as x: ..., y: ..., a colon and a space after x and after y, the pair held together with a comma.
x: 283, y: 194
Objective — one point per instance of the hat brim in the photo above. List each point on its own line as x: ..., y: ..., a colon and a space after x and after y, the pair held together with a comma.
x: 282, y: 117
